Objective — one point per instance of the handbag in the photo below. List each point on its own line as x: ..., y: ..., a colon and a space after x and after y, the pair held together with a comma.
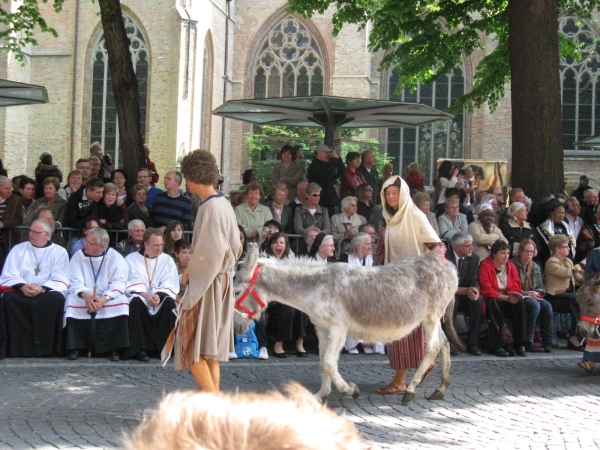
x: 505, y: 335
x: 246, y: 345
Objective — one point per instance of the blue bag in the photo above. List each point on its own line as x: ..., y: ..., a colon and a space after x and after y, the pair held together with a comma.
x: 246, y: 345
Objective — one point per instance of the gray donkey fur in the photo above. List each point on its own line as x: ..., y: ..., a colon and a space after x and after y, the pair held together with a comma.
x: 588, y: 298
x: 383, y: 303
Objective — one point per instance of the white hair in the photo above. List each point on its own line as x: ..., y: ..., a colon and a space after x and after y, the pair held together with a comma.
x: 135, y: 223
x: 346, y: 201
x: 357, y: 241
x: 101, y: 235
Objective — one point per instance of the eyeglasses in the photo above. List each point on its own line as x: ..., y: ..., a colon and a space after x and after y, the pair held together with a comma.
x: 37, y: 233
x: 467, y: 245
x: 368, y: 189
x: 328, y: 245
x: 91, y: 243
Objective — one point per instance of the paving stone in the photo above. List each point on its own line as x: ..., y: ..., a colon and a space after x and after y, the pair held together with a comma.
x: 506, y: 403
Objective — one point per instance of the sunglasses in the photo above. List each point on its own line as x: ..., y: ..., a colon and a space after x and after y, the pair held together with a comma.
x: 368, y: 189
x: 315, y: 195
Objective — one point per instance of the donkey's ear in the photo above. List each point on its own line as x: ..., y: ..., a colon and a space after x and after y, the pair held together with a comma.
x: 597, y: 285
x: 250, y: 261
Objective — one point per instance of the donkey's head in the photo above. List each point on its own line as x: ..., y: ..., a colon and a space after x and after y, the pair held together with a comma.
x: 246, y: 305
x: 588, y: 298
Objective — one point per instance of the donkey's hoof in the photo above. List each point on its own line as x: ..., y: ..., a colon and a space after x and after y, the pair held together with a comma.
x: 437, y: 395
x: 408, y: 397
x: 355, y: 390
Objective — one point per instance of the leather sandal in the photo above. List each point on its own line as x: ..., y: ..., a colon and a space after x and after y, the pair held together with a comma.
x: 390, y: 389
x: 588, y: 366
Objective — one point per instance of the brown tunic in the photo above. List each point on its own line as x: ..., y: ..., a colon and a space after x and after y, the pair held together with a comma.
x: 206, y: 324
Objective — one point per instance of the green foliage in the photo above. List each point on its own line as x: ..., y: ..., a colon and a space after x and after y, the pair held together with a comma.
x: 266, y: 145
x: 19, y: 26
x: 428, y: 38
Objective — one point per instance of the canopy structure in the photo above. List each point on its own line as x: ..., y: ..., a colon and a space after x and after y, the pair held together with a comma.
x: 330, y: 113
x: 593, y: 142
x: 13, y: 93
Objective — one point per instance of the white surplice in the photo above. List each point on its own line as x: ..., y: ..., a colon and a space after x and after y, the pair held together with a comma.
x: 112, y: 279
x: 161, y: 270
x: 23, y: 259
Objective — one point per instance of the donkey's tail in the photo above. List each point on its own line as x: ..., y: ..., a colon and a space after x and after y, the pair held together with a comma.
x: 450, y: 330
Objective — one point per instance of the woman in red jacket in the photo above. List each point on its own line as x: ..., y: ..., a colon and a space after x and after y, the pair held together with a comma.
x: 501, y: 287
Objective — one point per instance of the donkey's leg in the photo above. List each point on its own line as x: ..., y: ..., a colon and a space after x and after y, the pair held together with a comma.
x: 438, y: 394
x: 432, y: 347
x: 329, y: 362
x: 323, y: 336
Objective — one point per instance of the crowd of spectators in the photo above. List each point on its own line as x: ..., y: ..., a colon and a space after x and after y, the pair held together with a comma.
x: 515, y: 260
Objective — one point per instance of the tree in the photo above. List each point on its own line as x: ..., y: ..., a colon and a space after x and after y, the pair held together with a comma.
x: 427, y: 38
x: 20, y: 27
x: 125, y: 87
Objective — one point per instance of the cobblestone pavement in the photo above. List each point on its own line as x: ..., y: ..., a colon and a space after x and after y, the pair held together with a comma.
x: 538, y: 402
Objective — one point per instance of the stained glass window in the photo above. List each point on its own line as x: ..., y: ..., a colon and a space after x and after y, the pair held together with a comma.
x: 289, y: 63
x: 427, y: 143
x: 103, y: 124
x: 580, y: 88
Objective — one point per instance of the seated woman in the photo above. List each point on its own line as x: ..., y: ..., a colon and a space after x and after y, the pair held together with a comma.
x: 280, y: 210
x: 119, y: 178
x: 414, y: 179
x: 287, y: 322
x: 138, y: 209
x: 86, y: 225
x: 351, y: 178
x: 309, y: 237
x: 364, y: 194
x: 589, y: 237
x: 485, y: 233
x: 269, y: 229
x: 516, y: 228
x: 501, y: 289
x: 251, y: 214
x: 346, y: 223
x: 173, y: 234
x: 560, y: 283
x: 110, y: 216
x: 54, y: 202
x: 554, y: 225
x: 423, y: 202
x: 532, y: 284
x: 323, y: 249
x: 452, y: 221
x: 359, y: 254
x: 74, y: 182
x: 311, y: 214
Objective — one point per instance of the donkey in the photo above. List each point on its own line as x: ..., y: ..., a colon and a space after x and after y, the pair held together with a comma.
x: 382, y: 303
x: 588, y: 299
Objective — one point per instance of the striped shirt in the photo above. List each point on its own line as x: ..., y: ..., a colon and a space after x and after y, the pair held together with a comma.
x: 166, y: 208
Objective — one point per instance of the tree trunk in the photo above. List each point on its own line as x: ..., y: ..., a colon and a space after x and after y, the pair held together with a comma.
x: 125, y: 88
x: 537, y: 149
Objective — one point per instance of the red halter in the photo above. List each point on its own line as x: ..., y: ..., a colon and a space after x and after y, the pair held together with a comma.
x: 250, y: 291
x: 595, y: 320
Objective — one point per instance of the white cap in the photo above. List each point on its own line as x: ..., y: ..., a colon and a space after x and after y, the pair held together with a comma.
x: 323, y: 148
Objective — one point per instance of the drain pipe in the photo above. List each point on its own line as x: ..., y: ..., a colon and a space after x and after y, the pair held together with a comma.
x: 74, y: 89
x: 225, y: 80
x: 187, y: 58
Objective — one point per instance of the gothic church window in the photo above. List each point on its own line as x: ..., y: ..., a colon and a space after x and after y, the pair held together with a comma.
x: 289, y: 63
x: 104, y: 124
x: 427, y: 143
x: 580, y: 89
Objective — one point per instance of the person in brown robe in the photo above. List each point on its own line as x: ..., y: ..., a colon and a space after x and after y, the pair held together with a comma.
x: 204, y: 333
